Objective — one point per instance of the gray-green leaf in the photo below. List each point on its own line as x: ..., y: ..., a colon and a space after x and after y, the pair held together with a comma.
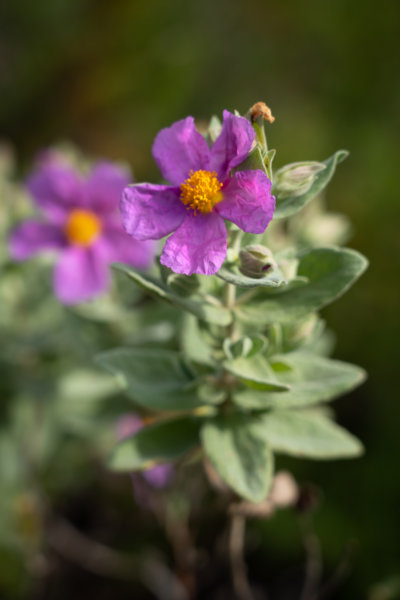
x: 217, y: 315
x: 231, y: 274
x: 194, y: 345
x: 161, y: 442
x: 329, y: 272
x: 309, y: 434
x: 238, y: 450
x: 256, y: 373
x: 312, y: 379
x: 153, y: 378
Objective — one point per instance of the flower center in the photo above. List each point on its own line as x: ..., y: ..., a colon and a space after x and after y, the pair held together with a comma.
x: 201, y: 191
x: 82, y: 227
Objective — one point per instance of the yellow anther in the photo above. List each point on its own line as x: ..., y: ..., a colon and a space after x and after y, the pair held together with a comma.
x: 201, y: 191
x: 82, y: 227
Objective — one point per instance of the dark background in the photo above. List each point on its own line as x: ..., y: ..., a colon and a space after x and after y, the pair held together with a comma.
x: 108, y: 75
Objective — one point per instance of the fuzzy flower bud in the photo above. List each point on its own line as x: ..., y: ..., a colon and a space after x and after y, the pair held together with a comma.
x: 256, y: 260
x: 260, y: 110
x: 296, y: 179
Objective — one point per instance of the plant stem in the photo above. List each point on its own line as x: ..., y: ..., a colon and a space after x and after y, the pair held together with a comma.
x: 236, y: 555
x: 76, y: 547
x: 229, y: 301
x: 314, y: 559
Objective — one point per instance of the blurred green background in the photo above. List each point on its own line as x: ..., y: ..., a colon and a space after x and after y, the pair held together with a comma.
x: 108, y: 75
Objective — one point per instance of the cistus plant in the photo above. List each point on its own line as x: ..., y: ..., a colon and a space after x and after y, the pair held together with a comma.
x: 250, y: 375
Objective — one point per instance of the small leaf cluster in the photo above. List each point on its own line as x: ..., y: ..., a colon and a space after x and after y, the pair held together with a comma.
x: 250, y: 374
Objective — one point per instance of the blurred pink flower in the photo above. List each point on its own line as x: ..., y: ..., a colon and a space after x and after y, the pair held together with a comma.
x: 81, y: 223
x: 158, y: 476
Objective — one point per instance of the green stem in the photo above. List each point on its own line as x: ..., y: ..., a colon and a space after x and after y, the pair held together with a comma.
x: 236, y: 554
x: 229, y: 302
x: 260, y: 133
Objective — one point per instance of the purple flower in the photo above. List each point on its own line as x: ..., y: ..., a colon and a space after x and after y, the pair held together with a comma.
x: 203, y: 193
x: 80, y: 221
x: 157, y: 476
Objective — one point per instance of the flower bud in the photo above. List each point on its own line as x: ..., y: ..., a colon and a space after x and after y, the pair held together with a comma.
x: 296, y: 179
x: 256, y: 260
x: 260, y: 110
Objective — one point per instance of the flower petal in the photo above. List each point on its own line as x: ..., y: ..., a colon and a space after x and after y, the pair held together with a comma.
x: 149, y: 212
x: 247, y: 201
x: 56, y: 190
x: 232, y: 145
x: 179, y: 149
x: 34, y: 236
x: 159, y: 476
x: 80, y: 274
x: 104, y: 186
x: 121, y: 247
x: 198, y: 246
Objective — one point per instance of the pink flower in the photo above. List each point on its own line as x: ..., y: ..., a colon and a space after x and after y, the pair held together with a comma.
x: 203, y: 193
x: 158, y: 476
x: 80, y: 222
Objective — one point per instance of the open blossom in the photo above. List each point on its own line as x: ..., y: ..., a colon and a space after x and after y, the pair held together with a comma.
x: 203, y: 192
x: 81, y: 223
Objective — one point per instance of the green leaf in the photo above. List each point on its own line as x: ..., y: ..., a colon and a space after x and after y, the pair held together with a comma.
x: 309, y: 434
x: 312, y: 380
x: 217, y: 315
x: 211, y: 395
x: 237, y: 448
x: 254, y: 161
x: 268, y: 160
x: 85, y: 383
x: 194, y: 345
x: 80, y: 399
x: 161, y: 442
x: 232, y: 274
x: 256, y: 373
x: 155, y: 379
x: 287, y: 206
x: 246, y: 346
x: 214, y: 128
x: 329, y: 271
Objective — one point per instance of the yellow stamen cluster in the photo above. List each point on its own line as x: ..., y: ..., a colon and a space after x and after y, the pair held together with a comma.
x: 82, y: 227
x: 201, y: 191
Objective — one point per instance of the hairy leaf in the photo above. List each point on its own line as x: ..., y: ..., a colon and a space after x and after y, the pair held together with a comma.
x: 238, y: 450
x: 203, y: 311
x: 153, y: 378
x: 309, y: 434
x: 329, y: 273
x: 160, y: 442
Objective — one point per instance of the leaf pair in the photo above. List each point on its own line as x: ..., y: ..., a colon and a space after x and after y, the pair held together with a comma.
x: 240, y: 446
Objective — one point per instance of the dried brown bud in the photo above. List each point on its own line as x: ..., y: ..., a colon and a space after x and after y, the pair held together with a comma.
x: 260, y: 109
x: 284, y: 493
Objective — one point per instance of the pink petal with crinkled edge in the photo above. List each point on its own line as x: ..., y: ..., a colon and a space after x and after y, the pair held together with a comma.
x: 149, y: 212
x: 32, y: 237
x: 121, y: 247
x: 179, y: 149
x: 104, y: 186
x: 232, y: 145
x: 80, y: 274
x: 56, y: 190
x: 198, y: 246
x: 247, y: 201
